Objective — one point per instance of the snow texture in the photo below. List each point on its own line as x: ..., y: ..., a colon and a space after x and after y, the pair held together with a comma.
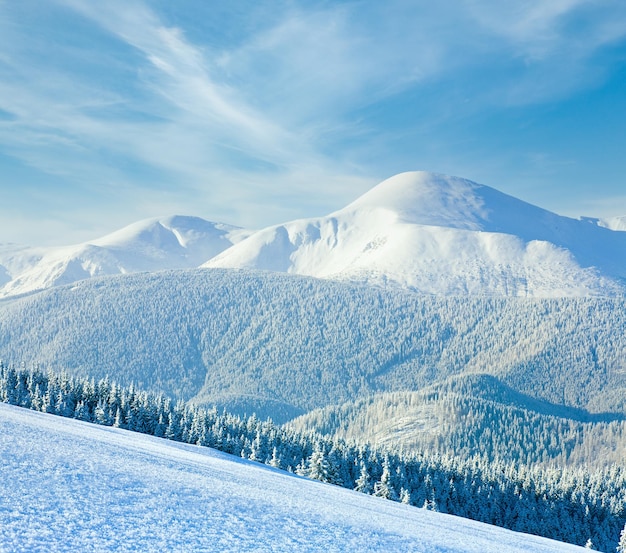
x: 430, y: 233
x: 443, y: 235
x: 71, y: 486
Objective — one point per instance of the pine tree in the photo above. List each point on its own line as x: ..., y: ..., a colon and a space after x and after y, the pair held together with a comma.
x: 318, y: 467
x: 621, y: 546
x: 275, y: 460
x: 118, y: 422
x: 301, y: 469
x: 101, y: 414
x: 363, y: 483
x: 384, y: 487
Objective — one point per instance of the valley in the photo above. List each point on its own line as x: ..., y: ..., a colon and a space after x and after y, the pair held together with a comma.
x: 430, y: 316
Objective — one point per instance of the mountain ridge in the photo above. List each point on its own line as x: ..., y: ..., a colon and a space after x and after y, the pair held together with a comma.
x: 153, y: 244
x: 426, y: 232
x: 442, y: 235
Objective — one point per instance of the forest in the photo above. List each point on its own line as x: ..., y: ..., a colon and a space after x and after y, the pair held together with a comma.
x: 282, y: 345
x: 476, y: 415
x: 580, y: 506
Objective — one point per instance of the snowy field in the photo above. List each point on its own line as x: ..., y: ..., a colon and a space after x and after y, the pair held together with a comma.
x: 72, y: 486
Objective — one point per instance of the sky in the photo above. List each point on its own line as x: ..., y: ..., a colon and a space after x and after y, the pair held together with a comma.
x: 255, y: 113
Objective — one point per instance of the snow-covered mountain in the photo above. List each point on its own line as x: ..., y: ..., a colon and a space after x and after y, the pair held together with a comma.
x: 443, y: 235
x: 281, y: 345
x: 614, y: 223
x: 430, y: 233
x: 148, y: 245
x: 67, y: 485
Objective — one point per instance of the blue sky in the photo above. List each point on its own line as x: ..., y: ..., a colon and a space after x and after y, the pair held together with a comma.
x: 254, y: 113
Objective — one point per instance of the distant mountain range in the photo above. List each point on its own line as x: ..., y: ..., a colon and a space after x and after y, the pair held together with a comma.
x: 428, y: 233
x: 151, y: 245
x: 416, y: 316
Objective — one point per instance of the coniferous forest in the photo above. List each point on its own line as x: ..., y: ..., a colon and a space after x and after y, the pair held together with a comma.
x: 573, y: 505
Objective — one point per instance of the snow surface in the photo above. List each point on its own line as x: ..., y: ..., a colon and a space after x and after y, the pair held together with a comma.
x: 175, y: 242
x: 443, y: 235
x: 615, y: 223
x: 430, y: 233
x: 72, y: 486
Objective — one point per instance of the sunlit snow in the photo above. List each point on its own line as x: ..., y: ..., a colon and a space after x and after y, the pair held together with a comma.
x: 175, y: 242
x: 442, y: 235
x: 431, y: 233
x: 71, y: 486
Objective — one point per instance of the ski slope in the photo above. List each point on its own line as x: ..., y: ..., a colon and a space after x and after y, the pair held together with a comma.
x: 72, y: 486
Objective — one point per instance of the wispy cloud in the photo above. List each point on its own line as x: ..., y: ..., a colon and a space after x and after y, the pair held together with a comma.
x: 200, y: 130
x: 127, y: 99
x: 554, y: 44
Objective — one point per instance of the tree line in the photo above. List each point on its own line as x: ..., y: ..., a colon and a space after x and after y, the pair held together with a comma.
x: 576, y: 506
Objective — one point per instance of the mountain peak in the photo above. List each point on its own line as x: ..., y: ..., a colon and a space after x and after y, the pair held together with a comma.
x: 421, y: 197
x: 148, y: 245
x: 438, y: 234
x: 434, y: 199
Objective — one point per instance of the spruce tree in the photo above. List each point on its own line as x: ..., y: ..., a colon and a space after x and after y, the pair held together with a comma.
x: 384, y: 488
x: 363, y: 483
x: 621, y: 546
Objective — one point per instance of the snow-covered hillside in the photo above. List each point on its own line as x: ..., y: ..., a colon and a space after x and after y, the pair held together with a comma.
x: 430, y: 233
x: 475, y: 415
x: 280, y: 345
x: 615, y: 223
x: 71, y: 486
x: 443, y: 235
x: 149, y: 245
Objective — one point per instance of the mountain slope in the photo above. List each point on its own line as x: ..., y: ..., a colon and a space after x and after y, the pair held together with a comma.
x: 73, y: 486
x: 443, y: 235
x: 281, y: 344
x: 475, y: 416
x: 149, y: 245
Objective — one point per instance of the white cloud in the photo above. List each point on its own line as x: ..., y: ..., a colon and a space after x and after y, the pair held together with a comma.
x: 555, y: 43
x: 267, y: 114
x: 200, y: 134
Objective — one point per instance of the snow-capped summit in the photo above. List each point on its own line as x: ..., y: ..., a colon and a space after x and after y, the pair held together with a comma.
x: 437, y: 234
x: 427, y: 232
x: 148, y: 245
x: 432, y: 199
x: 429, y: 199
x: 170, y: 242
